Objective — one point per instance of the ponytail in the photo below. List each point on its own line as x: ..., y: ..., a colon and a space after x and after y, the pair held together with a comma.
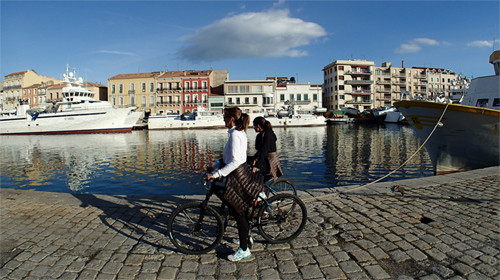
x: 243, y: 122
x: 262, y: 122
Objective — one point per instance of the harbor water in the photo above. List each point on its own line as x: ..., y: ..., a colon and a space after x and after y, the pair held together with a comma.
x: 170, y: 162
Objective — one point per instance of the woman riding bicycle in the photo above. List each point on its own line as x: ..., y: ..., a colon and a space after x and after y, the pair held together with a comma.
x: 266, y: 158
x: 242, y: 186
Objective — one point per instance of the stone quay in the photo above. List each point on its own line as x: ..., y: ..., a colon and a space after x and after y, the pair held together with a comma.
x: 439, y: 227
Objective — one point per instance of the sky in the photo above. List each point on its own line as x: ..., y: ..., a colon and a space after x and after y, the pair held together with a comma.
x: 252, y: 40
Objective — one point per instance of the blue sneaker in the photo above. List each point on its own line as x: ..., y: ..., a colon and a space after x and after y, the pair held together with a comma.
x: 239, y: 255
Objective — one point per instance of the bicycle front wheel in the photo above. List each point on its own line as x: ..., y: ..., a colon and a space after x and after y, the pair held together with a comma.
x: 281, y: 218
x: 281, y: 185
x: 194, y: 229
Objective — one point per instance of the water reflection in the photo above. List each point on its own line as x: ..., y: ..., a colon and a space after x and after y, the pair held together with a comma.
x: 169, y: 162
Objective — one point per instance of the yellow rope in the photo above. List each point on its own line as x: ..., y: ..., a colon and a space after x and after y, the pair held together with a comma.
x: 390, y: 173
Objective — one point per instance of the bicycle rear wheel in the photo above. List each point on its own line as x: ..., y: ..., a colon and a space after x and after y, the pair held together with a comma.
x: 281, y: 218
x: 281, y: 185
x: 194, y: 229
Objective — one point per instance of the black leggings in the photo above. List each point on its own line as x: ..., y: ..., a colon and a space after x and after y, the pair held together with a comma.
x: 243, y: 228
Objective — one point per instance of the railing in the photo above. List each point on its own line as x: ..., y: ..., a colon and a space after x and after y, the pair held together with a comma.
x: 358, y: 82
x: 359, y: 92
x: 351, y: 72
x: 359, y: 102
x: 10, y: 87
x: 383, y: 82
x: 131, y: 92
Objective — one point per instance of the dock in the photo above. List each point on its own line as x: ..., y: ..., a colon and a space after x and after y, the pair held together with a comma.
x: 439, y: 227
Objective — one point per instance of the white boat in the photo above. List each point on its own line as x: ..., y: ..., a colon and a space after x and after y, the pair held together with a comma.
x: 201, y: 118
x: 468, y: 136
x: 296, y: 118
x: 78, y: 113
x: 389, y: 115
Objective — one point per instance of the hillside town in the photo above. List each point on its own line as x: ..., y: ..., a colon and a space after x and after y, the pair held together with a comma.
x: 358, y: 84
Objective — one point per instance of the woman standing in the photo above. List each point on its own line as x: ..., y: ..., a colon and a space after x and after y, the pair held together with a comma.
x: 242, y: 186
x: 266, y: 158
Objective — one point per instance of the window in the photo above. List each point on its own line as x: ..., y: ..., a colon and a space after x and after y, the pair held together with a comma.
x: 143, y: 103
x: 195, y: 85
x: 120, y: 88
x: 315, y: 97
x: 195, y: 98
x: 341, y: 68
x: 299, y: 97
x: 204, y: 98
x: 132, y: 100
x: 306, y: 97
x: 244, y: 89
x: 230, y: 100
x: 188, y: 99
x: 121, y: 101
x: 341, y: 78
x: 282, y: 97
x: 132, y: 86
x: 482, y: 102
x: 496, y: 102
x: 113, y: 88
x: 255, y: 100
x: 237, y: 100
x: 232, y: 89
x: 256, y: 88
x: 151, y: 100
x: 292, y: 97
x: 186, y: 85
x: 143, y: 87
x: 204, y: 84
x: 247, y: 100
x: 151, y: 87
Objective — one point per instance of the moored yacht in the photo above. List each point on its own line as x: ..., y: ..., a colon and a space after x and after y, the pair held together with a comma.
x: 77, y: 113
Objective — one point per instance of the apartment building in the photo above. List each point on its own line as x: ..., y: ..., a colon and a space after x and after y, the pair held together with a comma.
x: 186, y: 91
x: 362, y: 85
x: 138, y: 89
x: 14, y: 84
x: 348, y: 83
x: 304, y: 97
x: 251, y: 96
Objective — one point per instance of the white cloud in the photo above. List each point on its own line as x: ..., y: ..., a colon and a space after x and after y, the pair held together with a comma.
x: 416, y: 45
x: 265, y: 34
x: 115, y: 52
x: 483, y: 43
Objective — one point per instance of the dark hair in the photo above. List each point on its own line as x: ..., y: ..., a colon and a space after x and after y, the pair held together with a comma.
x: 241, y: 120
x: 262, y: 122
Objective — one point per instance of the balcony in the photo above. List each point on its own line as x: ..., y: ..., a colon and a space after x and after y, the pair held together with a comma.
x: 359, y: 92
x: 11, y: 87
x: 384, y: 82
x: 131, y: 92
x: 358, y: 73
x: 358, y: 82
x: 195, y: 90
x: 359, y: 102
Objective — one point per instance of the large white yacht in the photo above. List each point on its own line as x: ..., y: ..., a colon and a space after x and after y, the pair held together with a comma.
x: 79, y: 112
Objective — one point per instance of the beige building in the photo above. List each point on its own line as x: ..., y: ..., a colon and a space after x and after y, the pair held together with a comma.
x: 362, y: 85
x: 348, y: 83
x: 251, y: 96
x: 14, y: 83
x: 137, y: 90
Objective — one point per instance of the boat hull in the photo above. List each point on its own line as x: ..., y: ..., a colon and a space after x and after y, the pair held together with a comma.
x: 76, y: 122
x: 297, y: 121
x: 467, y: 137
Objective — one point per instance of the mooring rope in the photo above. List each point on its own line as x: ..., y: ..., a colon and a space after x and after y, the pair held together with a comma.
x: 390, y: 173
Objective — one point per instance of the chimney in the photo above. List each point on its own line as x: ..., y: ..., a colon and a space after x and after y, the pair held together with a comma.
x: 402, y: 64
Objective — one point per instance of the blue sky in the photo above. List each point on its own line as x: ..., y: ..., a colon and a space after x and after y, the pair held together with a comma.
x: 251, y: 39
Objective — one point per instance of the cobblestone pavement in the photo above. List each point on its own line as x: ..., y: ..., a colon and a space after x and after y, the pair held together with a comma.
x: 441, y: 227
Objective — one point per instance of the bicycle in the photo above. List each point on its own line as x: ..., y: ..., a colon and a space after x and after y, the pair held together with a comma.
x: 196, y: 227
